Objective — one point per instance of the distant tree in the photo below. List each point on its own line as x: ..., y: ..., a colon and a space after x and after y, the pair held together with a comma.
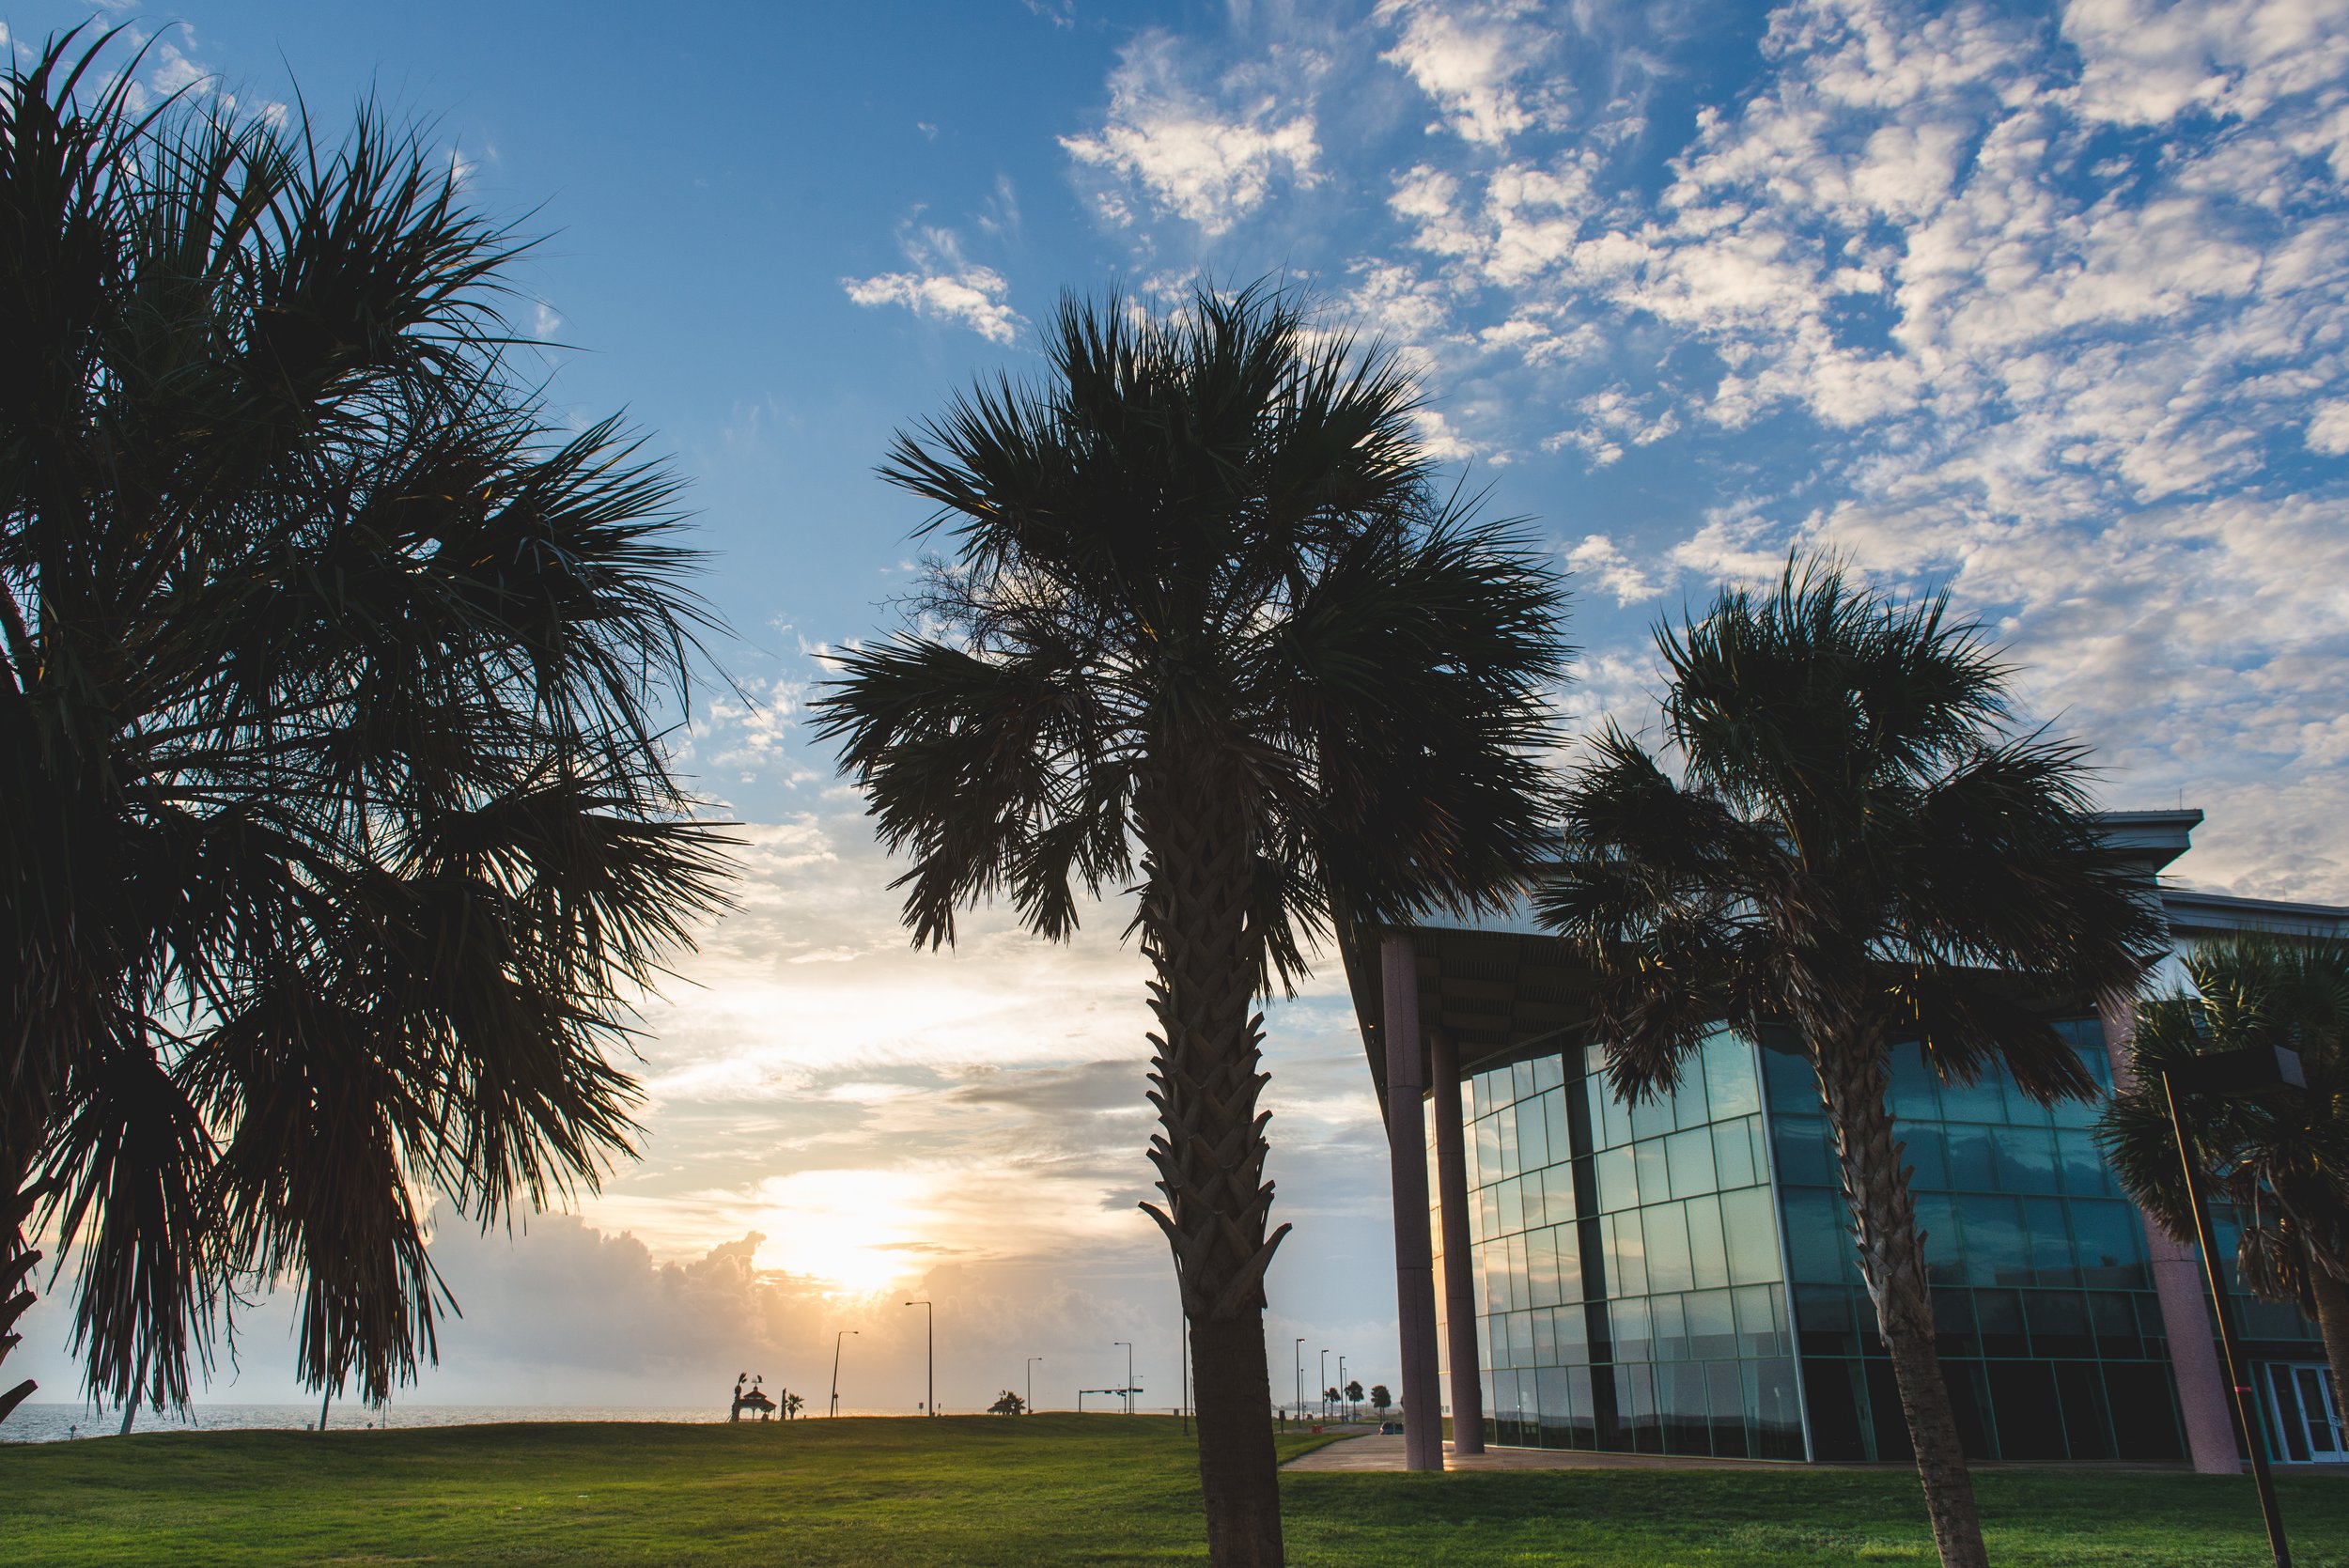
x: 1353, y: 1390
x: 1380, y: 1399
x: 1210, y: 628
x: 1862, y: 847
x: 792, y: 1404
x: 335, y: 833
x: 1329, y: 1397
x: 1009, y: 1404
x: 2281, y: 1160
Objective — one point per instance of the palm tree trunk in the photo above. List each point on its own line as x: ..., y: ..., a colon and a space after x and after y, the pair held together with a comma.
x: 1893, y: 1261
x: 1210, y: 1149
x: 2332, y: 1318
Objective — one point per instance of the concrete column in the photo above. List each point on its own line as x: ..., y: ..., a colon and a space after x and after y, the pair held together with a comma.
x: 1414, y: 1261
x: 2184, y: 1293
x: 1459, y: 1280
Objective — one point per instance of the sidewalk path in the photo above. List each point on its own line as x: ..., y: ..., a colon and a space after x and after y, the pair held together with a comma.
x: 1386, y: 1454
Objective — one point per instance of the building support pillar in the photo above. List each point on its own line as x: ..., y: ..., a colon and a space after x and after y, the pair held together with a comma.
x: 1414, y: 1261
x: 1459, y: 1280
x: 2184, y: 1293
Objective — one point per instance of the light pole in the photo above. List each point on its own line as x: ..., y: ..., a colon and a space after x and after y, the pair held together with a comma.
x: 932, y: 1405
x: 1130, y: 1373
x: 835, y: 1370
x: 1032, y: 1361
x: 1349, y: 1403
x: 1325, y: 1382
x: 1301, y: 1377
x: 2232, y: 1075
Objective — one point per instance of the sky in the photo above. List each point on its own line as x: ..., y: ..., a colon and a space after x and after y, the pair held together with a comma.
x: 2045, y: 305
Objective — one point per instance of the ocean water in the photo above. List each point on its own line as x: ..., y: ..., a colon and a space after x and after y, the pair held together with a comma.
x: 57, y: 1423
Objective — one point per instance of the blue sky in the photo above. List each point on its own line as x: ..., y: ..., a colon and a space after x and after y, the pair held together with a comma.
x: 2045, y: 305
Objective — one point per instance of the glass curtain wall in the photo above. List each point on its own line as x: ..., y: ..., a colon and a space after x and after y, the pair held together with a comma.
x: 1628, y: 1281
x: 2052, y: 1337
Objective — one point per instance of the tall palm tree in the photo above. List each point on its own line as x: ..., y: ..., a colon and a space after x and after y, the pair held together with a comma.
x: 335, y: 831
x: 1207, y: 622
x: 1860, y: 845
x: 2283, y: 1160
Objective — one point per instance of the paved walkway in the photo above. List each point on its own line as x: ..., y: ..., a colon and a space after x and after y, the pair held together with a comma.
x: 1386, y: 1454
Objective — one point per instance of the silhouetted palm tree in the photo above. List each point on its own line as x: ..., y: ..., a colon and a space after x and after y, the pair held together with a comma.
x: 2282, y: 1159
x: 1206, y: 619
x: 1858, y: 845
x: 336, y: 836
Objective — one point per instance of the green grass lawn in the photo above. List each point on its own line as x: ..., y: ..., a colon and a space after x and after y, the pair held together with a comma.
x: 1029, y: 1493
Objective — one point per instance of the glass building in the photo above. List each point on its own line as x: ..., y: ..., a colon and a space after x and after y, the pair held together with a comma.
x: 1679, y: 1276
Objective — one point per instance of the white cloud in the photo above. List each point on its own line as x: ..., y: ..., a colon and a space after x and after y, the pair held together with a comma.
x: 943, y: 286
x: 1471, y: 60
x: 2328, y: 428
x: 1208, y: 157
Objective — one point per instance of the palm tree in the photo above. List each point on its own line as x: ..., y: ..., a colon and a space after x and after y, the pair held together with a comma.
x: 1207, y: 622
x: 2281, y: 1160
x: 792, y: 1404
x: 1858, y: 846
x: 338, y: 834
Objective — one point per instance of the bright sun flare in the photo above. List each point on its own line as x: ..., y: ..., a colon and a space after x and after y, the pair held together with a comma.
x: 848, y: 1229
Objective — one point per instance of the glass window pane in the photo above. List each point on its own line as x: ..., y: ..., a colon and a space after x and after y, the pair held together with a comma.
x: 1804, y: 1156
x: 1511, y: 1201
x: 1506, y: 1126
x: 1541, y: 1251
x: 1761, y: 1317
x: 2027, y: 1158
x: 1533, y: 1136
x: 1569, y: 1263
x: 1689, y: 1107
x: 1751, y: 1230
x: 2110, y: 1243
x: 1730, y: 1088
x: 1711, y: 1325
x: 1733, y: 1152
x: 2082, y: 1164
x: 1928, y: 1159
x: 1651, y: 1117
x: 1618, y: 1185
x: 1489, y: 1169
x: 1627, y: 1257
x: 1972, y: 1166
x: 2050, y: 1242
x: 1998, y: 1250
x: 1521, y: 1080
x: 1708, y: 1260
x: 1666, y: 1228
x: 1978, y: 1101
x: 1671, y: 1334
x: 1554, y: 1126
x: 1944, y: 1240
x: 1915, y: 1087
x: 1654, y: 1178
x: 1557, y: 1185
x: 1818, y: 1240
x: 1689, y: 1158
x: 1628, y: 1326
x: 1548, y: 1073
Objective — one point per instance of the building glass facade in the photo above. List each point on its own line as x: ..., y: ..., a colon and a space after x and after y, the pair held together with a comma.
x: 2051, y: 1336
x: 1679, y: 1276
x: 1629, y: 1282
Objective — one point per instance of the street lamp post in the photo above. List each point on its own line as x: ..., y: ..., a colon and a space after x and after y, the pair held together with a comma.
x: 1325, y: 1382
x: 2233, y: 1074
x: 835, y: 1370
x: 1130, y: 1373
x: 1349, y: 1404
x: 1032, y: 1361
x: 933, y: 1374
x: 1301, y: 1377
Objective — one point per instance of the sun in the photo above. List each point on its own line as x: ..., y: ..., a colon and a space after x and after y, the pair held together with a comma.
x: 853, y: 1230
